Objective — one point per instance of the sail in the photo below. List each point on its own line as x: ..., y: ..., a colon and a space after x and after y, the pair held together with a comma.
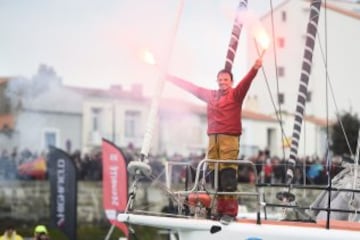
x: 235, y: 34
x: 63, y: 192
x: 115, y: 183
x: 303, y: 86
x: 340, y: 199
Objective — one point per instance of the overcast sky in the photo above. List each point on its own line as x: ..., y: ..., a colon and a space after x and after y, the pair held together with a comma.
x: 96, y: 43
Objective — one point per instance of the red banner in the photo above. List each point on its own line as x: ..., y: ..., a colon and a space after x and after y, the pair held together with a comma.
x: 115, y: 183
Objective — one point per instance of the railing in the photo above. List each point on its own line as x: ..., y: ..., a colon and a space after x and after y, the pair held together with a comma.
x: 201, y: 169
x: 201, y: 186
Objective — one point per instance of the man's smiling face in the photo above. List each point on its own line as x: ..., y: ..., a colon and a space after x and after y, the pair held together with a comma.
x: 224, y: 81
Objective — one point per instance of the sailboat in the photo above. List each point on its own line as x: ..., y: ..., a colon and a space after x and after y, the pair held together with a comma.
x: 191, y: 219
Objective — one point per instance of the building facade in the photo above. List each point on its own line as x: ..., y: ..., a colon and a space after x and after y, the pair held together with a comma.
x: 73, y: 118
x: 43, y: 113
x: 180, y: 127
x: 337, y: 39
x: 336, y: 48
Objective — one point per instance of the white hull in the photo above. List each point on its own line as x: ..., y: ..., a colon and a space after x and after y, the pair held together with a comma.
x: 196, y: 229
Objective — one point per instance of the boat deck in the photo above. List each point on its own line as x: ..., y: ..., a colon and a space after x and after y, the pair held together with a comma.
x: 334, y: 224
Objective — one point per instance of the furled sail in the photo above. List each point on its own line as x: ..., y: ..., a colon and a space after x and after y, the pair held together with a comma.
x: 235, y: 34
x: 303, y: 86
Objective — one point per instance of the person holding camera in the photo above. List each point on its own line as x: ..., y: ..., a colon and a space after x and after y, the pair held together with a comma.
x: 41, y: 233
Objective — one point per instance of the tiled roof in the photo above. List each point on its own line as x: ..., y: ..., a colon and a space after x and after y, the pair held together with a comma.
x: 112, y: 92
x: 180, y: 105
x: 322, y: 122
x: 177, y: 105
x: 3, y: 80
x: 7, y: 120
x: 257, y: 116
x: 319, y: 121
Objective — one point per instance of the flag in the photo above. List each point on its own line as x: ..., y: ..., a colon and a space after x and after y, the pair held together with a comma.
x: 115, y: 183
x: 35, y: 169
x: 63, y: 192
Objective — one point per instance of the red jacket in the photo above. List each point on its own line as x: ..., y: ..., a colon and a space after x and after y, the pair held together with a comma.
x: 223, y: 108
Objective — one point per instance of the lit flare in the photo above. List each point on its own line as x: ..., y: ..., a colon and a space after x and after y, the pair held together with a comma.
x: 263, y: 39
x: 148, y: 57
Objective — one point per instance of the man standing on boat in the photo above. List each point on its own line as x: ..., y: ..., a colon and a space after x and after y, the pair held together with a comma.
x: 224, y: 129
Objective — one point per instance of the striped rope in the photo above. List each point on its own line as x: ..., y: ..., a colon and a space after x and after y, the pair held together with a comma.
x: 235, y: 34
x: 303, y: 86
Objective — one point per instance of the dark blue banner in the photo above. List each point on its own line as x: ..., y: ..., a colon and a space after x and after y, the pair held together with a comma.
x: 63, y: 192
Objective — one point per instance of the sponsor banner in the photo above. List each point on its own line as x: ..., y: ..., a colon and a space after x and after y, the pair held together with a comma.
x: 115, y: 183
x: 63, y: 192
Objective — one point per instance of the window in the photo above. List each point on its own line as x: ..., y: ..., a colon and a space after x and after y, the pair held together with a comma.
x: 50, y: 138
x: 283, y: 16
x: 281, y: 71
x: 308, y: 96
x: 281, y: 98
x: 96, y: 119
x: 132, y: 123
x: 281, y: 42
x: 270, y: 138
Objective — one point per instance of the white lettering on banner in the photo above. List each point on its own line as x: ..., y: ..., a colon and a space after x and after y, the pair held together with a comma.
x: 113, y: 157
x: 114, y: 185
x: 60, y: 197
x: 111, y: 214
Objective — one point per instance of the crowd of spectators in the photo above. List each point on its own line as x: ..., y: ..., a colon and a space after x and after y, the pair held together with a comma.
x: 270, y: 169
x: 308, y: 170
x: 88, y: 166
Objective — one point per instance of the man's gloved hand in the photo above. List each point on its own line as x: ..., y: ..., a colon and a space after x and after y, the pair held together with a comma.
x: 258, y: 64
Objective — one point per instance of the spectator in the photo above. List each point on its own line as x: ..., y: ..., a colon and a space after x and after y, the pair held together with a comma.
x: 10, y: 234
x: 41, y: 233
x: 268, y: 171
x: 259, y: 163
x: 278, y: 170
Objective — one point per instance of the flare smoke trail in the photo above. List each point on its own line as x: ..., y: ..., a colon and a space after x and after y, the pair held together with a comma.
x: 304, y: 80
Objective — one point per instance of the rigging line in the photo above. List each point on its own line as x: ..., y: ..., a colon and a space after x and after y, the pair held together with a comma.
x: 326, y: 83
x: 155, y: 181
x: 166, y: 189
x: 326, y: 73
x: 272, y: 98
x: 328, y: 159
x: 332, y: 94
x: 276, y: 72
x: 304, y: 159
x: 162, y: 186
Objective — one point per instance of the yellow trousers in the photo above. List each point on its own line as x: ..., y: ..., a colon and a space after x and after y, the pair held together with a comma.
x: 223, y: 147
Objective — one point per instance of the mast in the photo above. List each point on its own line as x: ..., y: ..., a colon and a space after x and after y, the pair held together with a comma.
x: 235, y: 35
x: 303, y: 86
x: 160, y: 85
